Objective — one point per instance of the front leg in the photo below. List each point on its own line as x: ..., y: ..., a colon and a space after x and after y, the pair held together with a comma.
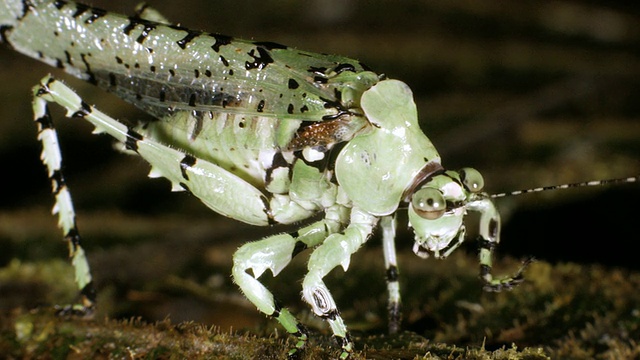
x: 335, y: 250
x: 488, y: 239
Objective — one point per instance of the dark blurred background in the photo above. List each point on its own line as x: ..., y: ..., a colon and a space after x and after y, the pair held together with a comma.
x: 531, y: 93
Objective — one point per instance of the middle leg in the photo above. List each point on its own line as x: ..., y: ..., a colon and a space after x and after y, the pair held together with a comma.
x: 275, y: 253
x: 335, y: 250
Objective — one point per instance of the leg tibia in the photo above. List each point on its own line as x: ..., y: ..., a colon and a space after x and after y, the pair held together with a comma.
x: 52, y: 159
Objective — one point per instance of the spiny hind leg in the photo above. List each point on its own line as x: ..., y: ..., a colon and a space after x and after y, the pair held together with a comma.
x: 275, y: 253
x: 335, y: 251
x: 207, y: 181
x: 52, y: 159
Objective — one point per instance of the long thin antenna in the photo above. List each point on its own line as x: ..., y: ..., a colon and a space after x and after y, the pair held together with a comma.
x: 567, y: 186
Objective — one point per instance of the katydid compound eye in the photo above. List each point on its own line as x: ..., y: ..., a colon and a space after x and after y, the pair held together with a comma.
x: 428, y: 203
x: 471, y: 179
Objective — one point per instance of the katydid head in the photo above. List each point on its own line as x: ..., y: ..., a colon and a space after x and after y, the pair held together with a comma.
x: 437, y: 210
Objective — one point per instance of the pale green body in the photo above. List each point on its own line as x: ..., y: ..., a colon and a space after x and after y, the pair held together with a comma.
x: 260, y: 133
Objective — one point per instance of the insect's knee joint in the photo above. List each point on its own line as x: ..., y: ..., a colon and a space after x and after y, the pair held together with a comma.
x: 322, y: 303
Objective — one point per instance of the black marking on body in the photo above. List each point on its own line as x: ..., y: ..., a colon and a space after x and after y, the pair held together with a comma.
x: 95, y: 15
x: 59, y: 64
x: 304, y: 108
x: 89, y: 292
x: 293, y: 84
x: 172, y: 72
x: 207, y: 73
x: 260, y: 107
x: 80, y: 9
x: 260, y: 60
x: 26, y: 7
x: 131, y: 143
x: 196, y: 73
x: 278, y: 161
x: 333, y: 104
x: 185, y: 40
x: 112, y: 80
x: 152, y: 68
x: 298, y: 248
x: 134, y: 21
x: 290, y: 109
x: 337, y: 115
x: 221, y: 40
x: 302, y: 332
x: 392, y: 273
x: 486, y: 244
x: 320, y: 79
x: 277, y: 308
x: 331, y: 314
x: 43, y: 90
x: 344, y: 67
x: 84, y: 110
x: 192, y: 100
x: 57, y: 182
x: 68, y: 56
x: 59, y: 4
x: 320, y: 76
x: 92, y: 78
x: 45, y: 121
x: 185, y: 187
x: 4, y: 30
x: 485, y: 271
x: 186, y: 162
x: 162, y: 96
x: 224, y: 61
x: 145, y: 32
x: 73, y: 238
x: 342, y: 341
x: 267, y: 210
x: 394, y: 317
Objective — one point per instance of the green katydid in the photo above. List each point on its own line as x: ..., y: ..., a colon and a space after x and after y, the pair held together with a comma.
x: 261, y: 133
